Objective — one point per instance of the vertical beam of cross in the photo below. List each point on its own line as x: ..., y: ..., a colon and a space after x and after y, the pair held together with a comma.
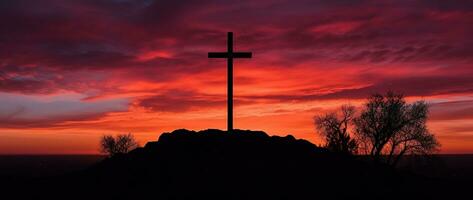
x: 229, y: 55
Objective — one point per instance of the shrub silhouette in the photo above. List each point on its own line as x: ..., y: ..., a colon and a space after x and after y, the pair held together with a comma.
x: 334, y: 128
x: 120, y: 144
x: 389, y: 128
x: 386, y: 129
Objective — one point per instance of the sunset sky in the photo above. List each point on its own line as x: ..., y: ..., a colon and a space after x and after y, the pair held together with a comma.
x: 71, y: 71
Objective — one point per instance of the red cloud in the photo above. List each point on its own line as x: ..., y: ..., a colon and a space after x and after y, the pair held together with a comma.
x: 154, y: 52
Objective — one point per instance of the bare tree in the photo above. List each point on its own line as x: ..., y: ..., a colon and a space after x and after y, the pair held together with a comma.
x: 334, y: 128
x: 108, y: 145
x: 390, y: 128
x: 122, y: 143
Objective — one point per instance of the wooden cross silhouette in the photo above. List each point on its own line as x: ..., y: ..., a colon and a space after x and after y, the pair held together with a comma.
x: 229, y: 55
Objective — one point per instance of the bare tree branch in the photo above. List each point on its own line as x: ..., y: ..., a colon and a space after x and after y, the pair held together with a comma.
x: 122, y: 143
x: 334, y: 128
x: 391, y: 128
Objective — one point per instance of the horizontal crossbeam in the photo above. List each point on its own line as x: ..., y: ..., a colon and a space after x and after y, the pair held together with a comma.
x: 230, y: 55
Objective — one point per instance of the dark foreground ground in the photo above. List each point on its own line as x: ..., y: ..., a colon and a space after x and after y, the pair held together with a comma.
x: 244, y: 165
x: 27, y: 167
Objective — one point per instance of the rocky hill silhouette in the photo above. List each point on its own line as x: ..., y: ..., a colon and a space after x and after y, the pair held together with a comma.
x: 214, y: 164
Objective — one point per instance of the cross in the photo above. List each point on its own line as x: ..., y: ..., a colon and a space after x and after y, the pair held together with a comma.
x: 229, y: 55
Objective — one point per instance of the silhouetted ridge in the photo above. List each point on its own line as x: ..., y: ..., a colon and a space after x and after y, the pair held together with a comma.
x: 243, y: 165
x: 181, y: 139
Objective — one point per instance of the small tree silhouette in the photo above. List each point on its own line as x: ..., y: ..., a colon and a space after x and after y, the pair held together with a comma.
x: 122, y: 143
x: 389, y: 128
x: 334, y: 128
